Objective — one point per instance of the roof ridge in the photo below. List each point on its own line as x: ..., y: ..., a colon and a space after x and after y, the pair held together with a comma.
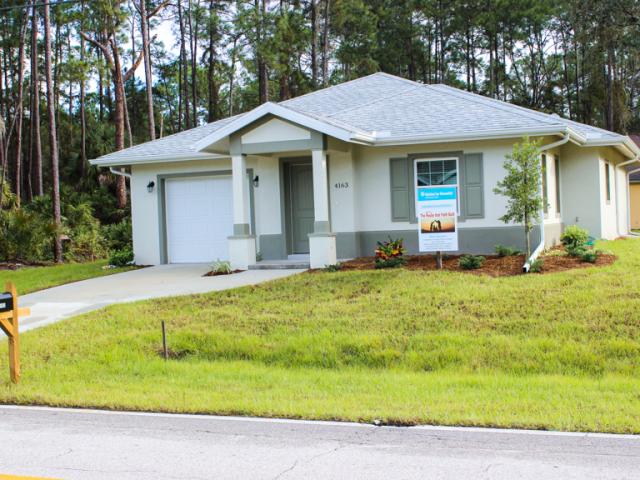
x: 506, y: 106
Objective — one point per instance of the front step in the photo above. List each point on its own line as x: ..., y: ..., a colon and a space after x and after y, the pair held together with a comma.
x: 280, y: 265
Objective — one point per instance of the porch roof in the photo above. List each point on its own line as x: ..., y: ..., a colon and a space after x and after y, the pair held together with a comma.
x: 380, y: 109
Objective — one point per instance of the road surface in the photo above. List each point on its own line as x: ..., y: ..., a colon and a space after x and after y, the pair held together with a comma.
x: 88, y: 444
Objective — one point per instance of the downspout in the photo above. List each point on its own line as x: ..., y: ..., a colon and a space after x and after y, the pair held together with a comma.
x: 538, y: 250
x: 615, y: 183
x: 121, y: 173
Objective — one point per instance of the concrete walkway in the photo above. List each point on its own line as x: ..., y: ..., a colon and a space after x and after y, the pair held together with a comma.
x: 54, y: 304
x: 97, y: 445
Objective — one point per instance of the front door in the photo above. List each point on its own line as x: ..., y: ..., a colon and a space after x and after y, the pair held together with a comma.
x: 301, y: 206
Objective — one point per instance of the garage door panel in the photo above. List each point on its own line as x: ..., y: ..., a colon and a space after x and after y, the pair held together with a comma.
x: 199, y: 218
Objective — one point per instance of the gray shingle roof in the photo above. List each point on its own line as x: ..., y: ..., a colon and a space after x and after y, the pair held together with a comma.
x: 388, y: 107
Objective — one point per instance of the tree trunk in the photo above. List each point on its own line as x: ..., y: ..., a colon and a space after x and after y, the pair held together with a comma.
x: 314, y: 43
x: 263, y: 79
x: 83, y: 115
x: 193, y: 47
x: 146, y: 51
x: 213, y: 100
x: 325, y: 44
x: 53, y: 140
x: 36, y: 142
x: 17, y: 172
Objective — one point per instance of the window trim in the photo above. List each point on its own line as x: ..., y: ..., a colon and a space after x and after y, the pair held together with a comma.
x: 607, y: 181
x: 545, y: 184
x: 418, y: 158
x: 556, y: 167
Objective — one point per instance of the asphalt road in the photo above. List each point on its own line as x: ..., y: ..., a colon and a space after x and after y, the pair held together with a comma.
x: 76, y: 444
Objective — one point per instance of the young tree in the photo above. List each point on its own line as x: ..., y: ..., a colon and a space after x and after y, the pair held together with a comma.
x: 35, y: 162
x: 521, y: 186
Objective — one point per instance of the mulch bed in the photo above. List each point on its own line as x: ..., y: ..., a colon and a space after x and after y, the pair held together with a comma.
x: 494, y: 266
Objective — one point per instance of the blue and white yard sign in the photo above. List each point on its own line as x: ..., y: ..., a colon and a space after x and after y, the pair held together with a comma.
x: 437, y: 212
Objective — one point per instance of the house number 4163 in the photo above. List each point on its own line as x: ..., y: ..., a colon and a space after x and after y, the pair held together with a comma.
x: 341, y: 185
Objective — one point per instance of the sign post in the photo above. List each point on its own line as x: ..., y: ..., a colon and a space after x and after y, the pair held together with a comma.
x: 437, y: 211
x: 9, y: 318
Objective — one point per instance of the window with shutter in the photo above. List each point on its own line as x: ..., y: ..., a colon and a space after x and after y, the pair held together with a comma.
x: 400, y: 190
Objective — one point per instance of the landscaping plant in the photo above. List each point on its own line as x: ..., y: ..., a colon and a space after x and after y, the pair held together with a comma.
x: 471, y: 262
x: 574, y: 238
x: 121, y: 258
x: 503, y: 251
x: 521, y: 186
x: 390, y: 254
x: 536, y: 265
x: 221, y: 267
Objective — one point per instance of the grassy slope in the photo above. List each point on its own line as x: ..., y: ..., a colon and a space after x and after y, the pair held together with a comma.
x: 543, y: 351
x: 31, y: 279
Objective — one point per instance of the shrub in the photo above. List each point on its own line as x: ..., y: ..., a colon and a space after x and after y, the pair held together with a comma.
x: 221, y: 267
x: 121, y: 258
x: 574, y: 251
x: 471, y: 262
x: 590, y: 256
x: 118, y: 236
x: 536, y: 265
x: 336, y: 267
x: 390, y: 254
x: 503, y: 251
x: 573, y: 238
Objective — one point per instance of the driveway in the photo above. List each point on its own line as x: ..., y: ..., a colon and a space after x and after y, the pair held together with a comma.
x: 54, y: 304
x: 85, y: 444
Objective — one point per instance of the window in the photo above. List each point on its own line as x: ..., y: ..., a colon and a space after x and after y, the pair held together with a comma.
x: 607, y: 180
x: 437, y: 172
x: 431, y: 173
x: 545, y: 189
x: 557, y: 171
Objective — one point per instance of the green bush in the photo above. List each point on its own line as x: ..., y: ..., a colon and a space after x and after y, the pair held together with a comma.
x: 121, y: 258
x: 578, y: 251
x: 391, y: 262
x: 118, y: 236
x: 25, y: 236
x: 471, y: 262
x: 336, y: 267
x: 590, y: 256
x: 503, y: 251
x: 574, y: 238
x: 536, y: 265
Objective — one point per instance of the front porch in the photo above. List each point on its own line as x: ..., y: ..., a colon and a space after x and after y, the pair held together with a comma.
x: 295, y: 229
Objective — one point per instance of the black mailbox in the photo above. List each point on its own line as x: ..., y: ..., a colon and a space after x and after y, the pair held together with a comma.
x: 6, y: 302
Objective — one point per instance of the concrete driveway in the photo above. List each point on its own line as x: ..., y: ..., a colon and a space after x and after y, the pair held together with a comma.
x: 54, y: 304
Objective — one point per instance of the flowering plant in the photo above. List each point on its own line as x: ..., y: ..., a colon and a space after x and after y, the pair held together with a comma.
x: 390, y: 253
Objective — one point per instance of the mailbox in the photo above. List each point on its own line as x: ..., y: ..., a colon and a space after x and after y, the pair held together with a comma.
x: 6, y: 302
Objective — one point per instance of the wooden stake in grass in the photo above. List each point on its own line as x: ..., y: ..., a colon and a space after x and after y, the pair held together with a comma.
x: 439, y: 260
x: 164, y: 342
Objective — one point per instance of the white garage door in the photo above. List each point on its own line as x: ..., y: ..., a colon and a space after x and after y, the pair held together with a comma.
x: 199, y: 214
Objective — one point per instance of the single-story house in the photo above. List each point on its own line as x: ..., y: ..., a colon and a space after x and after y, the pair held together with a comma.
x: 326, y: 175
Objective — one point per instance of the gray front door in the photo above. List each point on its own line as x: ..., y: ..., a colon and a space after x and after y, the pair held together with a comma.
x: 301, y: 206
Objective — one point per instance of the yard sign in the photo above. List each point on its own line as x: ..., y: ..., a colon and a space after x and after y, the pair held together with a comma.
x: 437, y: 211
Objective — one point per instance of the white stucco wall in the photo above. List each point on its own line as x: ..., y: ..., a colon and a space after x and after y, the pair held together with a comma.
x: 372, y: 179
x: 613, y: 212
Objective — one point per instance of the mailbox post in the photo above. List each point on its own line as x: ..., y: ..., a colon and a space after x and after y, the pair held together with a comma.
x: 9, y: 319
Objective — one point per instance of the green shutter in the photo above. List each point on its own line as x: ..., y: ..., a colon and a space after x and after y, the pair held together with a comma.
x: 472, y: 186
x: 401, y: 181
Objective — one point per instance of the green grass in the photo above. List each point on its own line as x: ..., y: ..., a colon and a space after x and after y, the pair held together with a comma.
x: 31, y: 279
x: 555, y: 351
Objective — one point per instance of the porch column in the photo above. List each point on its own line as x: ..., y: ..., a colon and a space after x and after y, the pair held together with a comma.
x: 242, y: 244
x: 322, y: 242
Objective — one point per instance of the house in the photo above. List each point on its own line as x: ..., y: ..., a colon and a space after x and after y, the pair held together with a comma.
x: 330, y: 173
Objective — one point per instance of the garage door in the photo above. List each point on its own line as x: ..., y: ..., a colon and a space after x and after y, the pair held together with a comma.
x: 199, y: 214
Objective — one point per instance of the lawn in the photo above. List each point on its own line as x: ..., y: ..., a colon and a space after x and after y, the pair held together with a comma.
x: 31, y: 279
x: 555, y: 351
